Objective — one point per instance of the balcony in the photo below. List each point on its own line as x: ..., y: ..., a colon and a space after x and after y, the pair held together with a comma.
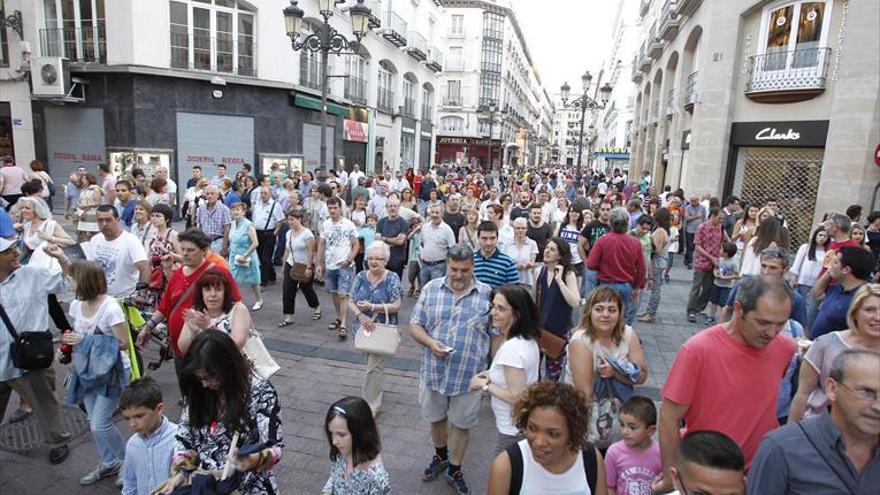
x: 688, y: 7
x: 670, y: 102
x: 644, y: 62
x: 435, y: 60
x: 788, y: 76
x: 669, y: 21
x: 375, y: 6
x: 356, y: 90
x: 655, y: 111
x: 87, y: 44
x: 637, y: 74
x: 395, y: 29
x: 417, y: 46
x: 655, y: 44
x: 452, y: 102
x: 690, y: 92
x: 385, y: 100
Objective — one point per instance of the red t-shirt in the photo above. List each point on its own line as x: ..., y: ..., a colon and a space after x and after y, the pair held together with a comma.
x: 831, y: 252
x: 618, y: 258
x: 177, y: 285
x: 417, y: 185
x: 728, y: 386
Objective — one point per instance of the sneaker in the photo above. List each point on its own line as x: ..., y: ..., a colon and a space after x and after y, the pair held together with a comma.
x: 691, y: 317
x: 100, y: 473
x: 646, y: 318
x: 257, y: 305
x: 709, y: 320
x: 437, y: 466
x: 457, y: 481
x: 666, y: 278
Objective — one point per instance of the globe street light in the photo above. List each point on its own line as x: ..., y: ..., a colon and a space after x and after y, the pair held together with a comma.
x: 326, y: 41
x: 584, y: 102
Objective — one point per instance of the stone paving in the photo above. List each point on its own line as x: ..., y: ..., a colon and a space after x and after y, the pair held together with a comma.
x: 318, y: 369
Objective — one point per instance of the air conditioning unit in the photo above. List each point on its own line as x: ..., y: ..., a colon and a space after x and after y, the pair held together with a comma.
x: 50, y: 76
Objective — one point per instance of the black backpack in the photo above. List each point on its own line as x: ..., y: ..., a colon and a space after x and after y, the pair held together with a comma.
x: 516, y: 467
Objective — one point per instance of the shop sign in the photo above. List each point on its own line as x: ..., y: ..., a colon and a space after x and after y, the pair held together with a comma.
x: 206, y: 140
x: 355, y: 131
x: 810, y: 133
x: 462, y: 141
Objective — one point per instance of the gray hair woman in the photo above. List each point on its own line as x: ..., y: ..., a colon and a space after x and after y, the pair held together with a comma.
x: 375, y: 293
x: 38, y: 226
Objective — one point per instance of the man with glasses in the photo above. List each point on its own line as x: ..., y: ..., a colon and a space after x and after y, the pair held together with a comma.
x: 214, y: 219
x: 726, y: 378
x: 836, y: 452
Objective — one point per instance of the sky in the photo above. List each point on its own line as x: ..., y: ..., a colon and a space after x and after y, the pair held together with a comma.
x: 566, y: 37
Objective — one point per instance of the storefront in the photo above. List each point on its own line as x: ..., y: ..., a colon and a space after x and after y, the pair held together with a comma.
x: 207, y: 140
x: 74, y: 138
x: 612, y: 158
x: 425, y: 149
x: 467, y: 150
x: 780, y: 161
x: 354, y: 144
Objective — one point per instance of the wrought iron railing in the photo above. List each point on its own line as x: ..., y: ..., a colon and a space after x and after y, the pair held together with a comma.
x: 356, y: 89
x: 804, y: 68
x: 416, y: 43
x: 690, y: 92
x: 82, y: 44
x: 385, y: 100
x: 395, y: 23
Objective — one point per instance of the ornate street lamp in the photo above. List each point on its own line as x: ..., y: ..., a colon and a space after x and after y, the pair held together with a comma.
x: 326, y: 41
x: 491, y: 109
x: 584, y: 102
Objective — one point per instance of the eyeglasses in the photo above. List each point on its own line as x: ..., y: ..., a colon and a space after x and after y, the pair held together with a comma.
x: 862, y: 394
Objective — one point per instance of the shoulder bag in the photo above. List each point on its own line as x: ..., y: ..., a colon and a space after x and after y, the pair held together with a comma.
x: 297, y: 270
x: 383, y: 339
x: 255, y: 351
x: 604, y: 414
x: 549, y: 343
x: 29, y: 350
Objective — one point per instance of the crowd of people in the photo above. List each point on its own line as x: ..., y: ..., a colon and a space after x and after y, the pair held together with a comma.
x: 524, y: 288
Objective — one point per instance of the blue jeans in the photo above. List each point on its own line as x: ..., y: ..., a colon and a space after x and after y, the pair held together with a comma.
x: 589, y: 282
x: 625, y: 291
x: 812, y: 305
x: 108, y: 440
x: 430, y: 272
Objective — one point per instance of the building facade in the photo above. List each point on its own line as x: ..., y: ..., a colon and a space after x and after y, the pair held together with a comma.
x: 762, y: 99
x: 180, y: 83
x: 494, y: 109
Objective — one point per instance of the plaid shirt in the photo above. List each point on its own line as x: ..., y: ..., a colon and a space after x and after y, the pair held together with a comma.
x: 213, y: 222
x: 458, y: 322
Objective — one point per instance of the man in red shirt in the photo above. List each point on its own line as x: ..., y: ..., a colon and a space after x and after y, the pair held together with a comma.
x: 707, y: 249
x: 726, y: 378
x: 194, y: 248
x: 617, y: 258
x: 838, y: 226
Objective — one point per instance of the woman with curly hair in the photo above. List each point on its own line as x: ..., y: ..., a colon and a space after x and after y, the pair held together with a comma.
x: 553, y: 458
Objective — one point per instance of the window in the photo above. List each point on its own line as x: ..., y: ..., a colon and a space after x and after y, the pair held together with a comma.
x: 456, y: 59
x: 385, y: 99
x: 493, y: 25
x: 453, y: 93
x: 356, y: 83
x: 407, y: 149
x: 794, y: 34
x: 456, y: 26
x: 409, y: 96
x: 490, y: 87
x: 452, y: 124
x: 309, y: 62
x: 75, y: 29
x: 213, y: 35
x: 427, y: 104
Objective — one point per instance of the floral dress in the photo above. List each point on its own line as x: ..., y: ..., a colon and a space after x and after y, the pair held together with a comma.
x: 159, y: 245
x: 206, y: 447
x: 371, y: 481
x: 239, y: 243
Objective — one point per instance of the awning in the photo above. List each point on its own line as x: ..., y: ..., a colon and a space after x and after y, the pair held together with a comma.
x: 313, y: 103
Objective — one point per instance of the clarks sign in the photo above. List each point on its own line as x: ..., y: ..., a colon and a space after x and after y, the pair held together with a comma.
x: 809, y: 133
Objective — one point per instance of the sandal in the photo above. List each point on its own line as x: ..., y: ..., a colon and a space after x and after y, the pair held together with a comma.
x: 285, y: 322
x: 316, y: 314
x: 336, y: 325
x: 343, y: 334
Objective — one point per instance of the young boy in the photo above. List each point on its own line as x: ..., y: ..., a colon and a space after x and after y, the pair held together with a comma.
x: 148, y: 452
x: 632, y: 464
x: 726, y: 274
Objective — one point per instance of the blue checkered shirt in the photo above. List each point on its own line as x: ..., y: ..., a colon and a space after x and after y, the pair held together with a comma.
x: 458, y: 322
x: 148, y: 460
x: 213, y: 222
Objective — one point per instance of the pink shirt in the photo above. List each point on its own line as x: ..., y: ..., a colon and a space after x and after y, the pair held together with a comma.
x: 631, y: 471
x: 13, y: 178
x: 728, y: 386
x: 109, y: 187
x: 709, y: 237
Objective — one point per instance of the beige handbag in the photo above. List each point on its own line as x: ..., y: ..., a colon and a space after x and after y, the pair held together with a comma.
x: 383, y: 340
x: 255, y: 350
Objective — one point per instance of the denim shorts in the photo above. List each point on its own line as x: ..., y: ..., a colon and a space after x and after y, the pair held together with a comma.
x: 339, y: 281
x: 719, y: 295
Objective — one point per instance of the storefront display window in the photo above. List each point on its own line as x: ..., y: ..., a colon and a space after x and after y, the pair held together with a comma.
x: 287, y: 163
x: 148, y: 160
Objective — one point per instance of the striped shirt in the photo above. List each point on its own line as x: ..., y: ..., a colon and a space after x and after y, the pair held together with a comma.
x: 148, y: 459
x: 496, y: 270
x: 459, y: 322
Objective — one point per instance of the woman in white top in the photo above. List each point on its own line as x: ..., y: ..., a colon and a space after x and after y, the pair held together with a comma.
x: 515, y: 364
x: 213, y: 308
x: 95, y: 314
x: 769, y: 231
x: 603, y: 335
x: 569, y: 230
x: 552, y: 458
x: 141, y: 226
x: 744, y: 228
x: 299, y: 247
x: 524, y: 251
x: 805, y: 270
x: 467, y: 234
x: 559, y: 215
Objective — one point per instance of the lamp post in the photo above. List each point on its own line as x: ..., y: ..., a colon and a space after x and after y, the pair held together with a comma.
x: 326, y: 41
x: 584, y: 102
x: 491, y: 109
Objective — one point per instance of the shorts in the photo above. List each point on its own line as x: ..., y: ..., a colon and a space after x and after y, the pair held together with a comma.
x: 718, y: 296
x: 339, y: 281
x: 460, y: 410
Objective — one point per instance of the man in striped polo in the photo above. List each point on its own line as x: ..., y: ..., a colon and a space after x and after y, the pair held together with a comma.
x: 491, y: 266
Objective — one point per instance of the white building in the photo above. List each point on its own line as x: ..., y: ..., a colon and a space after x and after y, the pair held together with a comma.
x: 566, y: 136
x: 202, y: 82
x: 762, y: 99
x: 489, y: 67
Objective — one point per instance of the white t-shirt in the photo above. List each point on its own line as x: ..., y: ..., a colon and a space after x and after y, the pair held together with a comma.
x: 536, y: 479
x: 516, y: 353
x: 118, y: 258
x: 109, y: 313
x: 337, y: 237
x: 297, y: 249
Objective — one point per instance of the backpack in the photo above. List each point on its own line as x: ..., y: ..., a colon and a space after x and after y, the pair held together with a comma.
x: 516, y: 467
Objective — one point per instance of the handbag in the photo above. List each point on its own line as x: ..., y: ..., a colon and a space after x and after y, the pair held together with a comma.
x: 255, y: 350
x: 298, y: 272
x: 549, y: 343
x: 604, y: 415
x: 157, y: 278
x: 29, y: 350
x: 383, y: 339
